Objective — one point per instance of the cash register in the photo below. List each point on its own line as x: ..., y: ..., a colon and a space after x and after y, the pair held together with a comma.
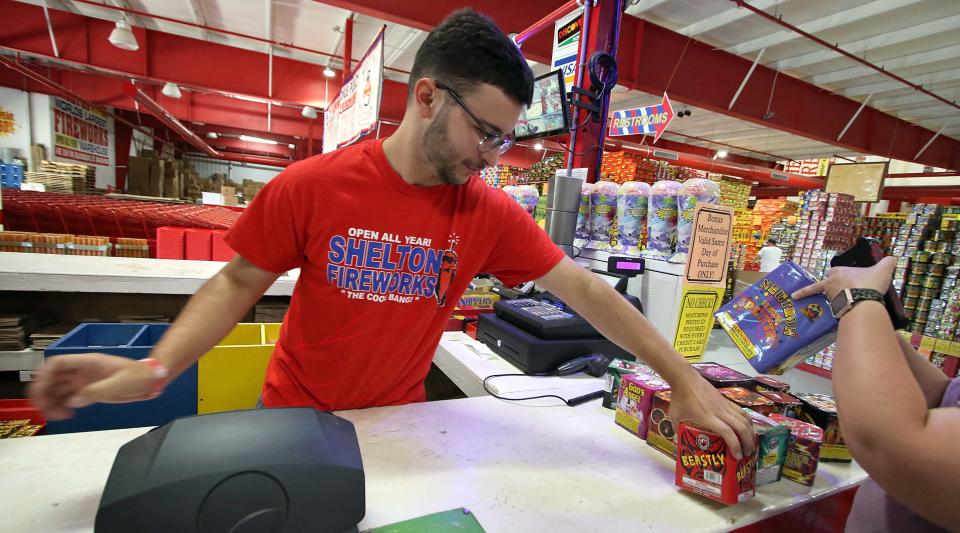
x: 539, y: 333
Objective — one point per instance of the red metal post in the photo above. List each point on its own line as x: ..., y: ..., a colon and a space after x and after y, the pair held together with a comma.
x: 348, y: 48
x: 545, y: 22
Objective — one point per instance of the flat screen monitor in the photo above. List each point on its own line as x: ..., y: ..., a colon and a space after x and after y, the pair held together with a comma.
x: 547, y: 115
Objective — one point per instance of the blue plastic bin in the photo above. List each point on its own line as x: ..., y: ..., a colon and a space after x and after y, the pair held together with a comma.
x: 11, y: 175
x: 134, y: 341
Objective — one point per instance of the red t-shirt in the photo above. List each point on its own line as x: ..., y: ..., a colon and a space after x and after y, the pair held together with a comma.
x: 383, y: 264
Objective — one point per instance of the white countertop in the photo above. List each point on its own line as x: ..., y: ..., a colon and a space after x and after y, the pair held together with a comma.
x: 72, y: 273
x: 517, y: 467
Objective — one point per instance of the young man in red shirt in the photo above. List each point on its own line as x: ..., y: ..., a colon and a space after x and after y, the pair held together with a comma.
x: 388, y: 234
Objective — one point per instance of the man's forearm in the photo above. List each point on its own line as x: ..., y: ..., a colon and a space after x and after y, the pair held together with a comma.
x: 208, y: 317
x: 617, y: 320
x: 933, y: 382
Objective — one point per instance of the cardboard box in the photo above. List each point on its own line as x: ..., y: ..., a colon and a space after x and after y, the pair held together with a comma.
x: 772, y: 441
x: 749, y: 399
x: 767, y: 383
x: 821, y: 410
x: 721, y: 376
x: 784, y: 403
x: 803, y: 450
x: 662, y: 435
x: 635, y: 401
x: 706, y: 466
x: 615, y: 372
x: 229, y: 195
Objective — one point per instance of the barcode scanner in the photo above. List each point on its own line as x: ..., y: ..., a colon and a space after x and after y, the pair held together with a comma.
x: 594, y: 364
x: 867, y: 252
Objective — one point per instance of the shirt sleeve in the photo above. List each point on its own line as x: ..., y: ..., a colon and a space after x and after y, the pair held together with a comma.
x: 269, y: 233
x: 523, y: 251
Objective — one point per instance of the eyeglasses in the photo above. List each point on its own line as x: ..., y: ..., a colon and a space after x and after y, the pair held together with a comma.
x: 491, y: 140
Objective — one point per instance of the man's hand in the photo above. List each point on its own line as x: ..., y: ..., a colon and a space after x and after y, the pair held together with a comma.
x: 697, y: 401
x: 876, y: 277
x: 68, y: 382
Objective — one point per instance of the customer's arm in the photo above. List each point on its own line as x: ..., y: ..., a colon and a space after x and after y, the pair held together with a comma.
x: 693, y: 398
x: 908, y: 448
x: 933, y: 382
x: 71, y: 381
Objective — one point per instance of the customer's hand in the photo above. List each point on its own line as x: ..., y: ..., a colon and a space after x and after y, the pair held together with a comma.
x: 697, y: 401
x: 68, y: 382
x: 837, y: 279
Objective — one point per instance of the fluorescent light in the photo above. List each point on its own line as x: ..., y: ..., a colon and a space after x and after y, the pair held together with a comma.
x: 309, y: 112
x: 123, y: 38
x: 329, y: 72
x: 250, y: 139
x: 171, y: 90
x: 290, y: 146
x: 538, y: 146
x: 722, y: 153
x: 212, y: 135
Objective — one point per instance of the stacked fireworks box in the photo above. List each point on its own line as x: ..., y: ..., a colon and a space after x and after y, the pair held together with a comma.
x: 733, y: 192
x: 826, y: 228
x: 924, y: 253
x: 884, y: 228
x: 786, y: 235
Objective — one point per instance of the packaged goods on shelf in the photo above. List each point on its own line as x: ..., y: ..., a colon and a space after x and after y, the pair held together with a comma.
x: 733, y: 192
x: 925, y: 246
x: 826, y: 227
x: 884, y: 228
x: 662, y: 220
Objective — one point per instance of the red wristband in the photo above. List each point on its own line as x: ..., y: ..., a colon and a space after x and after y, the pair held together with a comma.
x: 160, y: 377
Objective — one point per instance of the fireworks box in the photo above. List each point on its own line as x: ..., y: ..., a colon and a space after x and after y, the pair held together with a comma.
x: 821, y: 411
x: 783, y: 403
x: 635, y: 401
x: 749, y: 399
x: 662, y: 435
x: 772, y: 440
x: 767, y: 383
x: 803, y: 450
x: 721, y: 377
x: 615, y: 372
x: 706, y: 466
x: 774, y: 331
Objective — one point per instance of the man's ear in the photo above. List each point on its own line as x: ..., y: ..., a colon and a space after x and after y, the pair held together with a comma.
x: 426, y: 98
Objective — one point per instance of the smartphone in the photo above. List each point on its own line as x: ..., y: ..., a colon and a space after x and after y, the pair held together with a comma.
x: 867, y: 252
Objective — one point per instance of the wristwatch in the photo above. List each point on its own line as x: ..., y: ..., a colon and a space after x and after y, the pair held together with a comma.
x: 847, y: 298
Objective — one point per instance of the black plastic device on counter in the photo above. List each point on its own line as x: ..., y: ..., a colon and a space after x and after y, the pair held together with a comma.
x: 547, y: 317
x: 288, y: 469
x: 867, y: 252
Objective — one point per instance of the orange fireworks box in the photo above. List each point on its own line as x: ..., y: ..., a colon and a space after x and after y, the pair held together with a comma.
x: 706, y: 466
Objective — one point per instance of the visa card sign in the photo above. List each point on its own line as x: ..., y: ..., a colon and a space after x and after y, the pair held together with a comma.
x: 567, y: 32
x: 650, y: 120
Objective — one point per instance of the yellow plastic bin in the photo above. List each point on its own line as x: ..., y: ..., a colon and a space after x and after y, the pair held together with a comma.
x: 230, y: 376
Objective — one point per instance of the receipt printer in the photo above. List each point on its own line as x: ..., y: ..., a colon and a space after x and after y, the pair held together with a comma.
x: 290, y: 469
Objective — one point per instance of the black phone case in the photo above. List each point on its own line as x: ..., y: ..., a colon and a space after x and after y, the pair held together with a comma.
x: 866, y: 252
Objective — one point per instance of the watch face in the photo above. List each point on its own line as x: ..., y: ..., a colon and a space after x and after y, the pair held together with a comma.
x: 839, y: 302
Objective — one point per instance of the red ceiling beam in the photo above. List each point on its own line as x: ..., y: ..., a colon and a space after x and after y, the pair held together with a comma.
x: 654, y: 59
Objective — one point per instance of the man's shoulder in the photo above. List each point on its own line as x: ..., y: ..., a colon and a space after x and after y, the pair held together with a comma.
x: 339, y: 162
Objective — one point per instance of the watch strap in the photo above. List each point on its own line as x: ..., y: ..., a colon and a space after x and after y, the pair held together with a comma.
x: 860, y: 295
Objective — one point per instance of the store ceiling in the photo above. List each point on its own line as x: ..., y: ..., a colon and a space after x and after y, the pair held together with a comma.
x: 916, y: 39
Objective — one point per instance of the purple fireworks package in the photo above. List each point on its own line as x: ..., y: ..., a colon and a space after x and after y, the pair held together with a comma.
x: 774, y: 331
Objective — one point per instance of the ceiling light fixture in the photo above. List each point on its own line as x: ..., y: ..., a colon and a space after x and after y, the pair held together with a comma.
x: 250, y: 139
x: 171, y: 90
x: 538, y: 146
x: 291, y: 146
x: 122, y: 36
x: 722, y: 153
x: 212, y: 135
x: 309, y: 112
x: 329, y: 72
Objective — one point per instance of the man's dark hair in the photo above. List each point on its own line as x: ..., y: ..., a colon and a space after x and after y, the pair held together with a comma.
x: 772, y: 241
x: 467, y: 49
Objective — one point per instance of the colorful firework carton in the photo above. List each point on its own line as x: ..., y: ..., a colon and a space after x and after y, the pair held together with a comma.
x: 803, y: 450
x: 767, y: 383
x: 635, y: 402
x: 783, y: 403
x: 821, y: 411
x: 772, y: 441
x: 662, y: 435
x: 706, y: 466
x: 774, y: 331
x: 749, y: 399
x: 615, y: 372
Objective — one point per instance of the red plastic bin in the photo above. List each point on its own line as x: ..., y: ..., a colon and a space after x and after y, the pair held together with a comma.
x: 21, y: 410
x: 170, y: 243
x: 221, y: 251
x: 198, y: 247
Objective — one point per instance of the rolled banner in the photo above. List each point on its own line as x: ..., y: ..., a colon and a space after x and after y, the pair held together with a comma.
x: 632, y: 201
x: 662, y: 220
x: 603, y: 215
x: 583, y: 216
x: 692, y: 191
